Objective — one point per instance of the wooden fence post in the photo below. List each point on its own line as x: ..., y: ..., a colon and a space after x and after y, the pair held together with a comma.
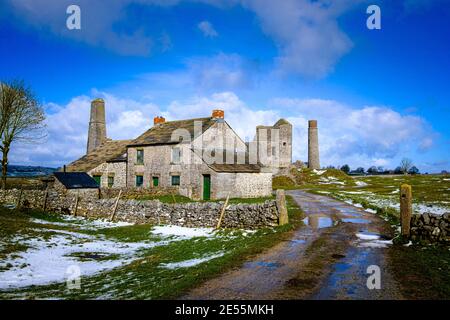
x: 223, y: 212
x: 19, y: 199
x: 405, y: 209
x: 44, y: 207
x: 281, y: 205
x: 115, y: 206
x: 77, y: 198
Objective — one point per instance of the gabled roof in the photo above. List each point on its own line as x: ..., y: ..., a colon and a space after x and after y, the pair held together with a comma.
x: 223, y: 166
x: 281, y: 122
x: 76, y: 180
x: 162, y: 133
x: 110, y: 150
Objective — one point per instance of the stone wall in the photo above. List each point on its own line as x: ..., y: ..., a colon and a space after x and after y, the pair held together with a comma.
x: 429, y: 227
x: 117, y: 170
x: 194, y: 214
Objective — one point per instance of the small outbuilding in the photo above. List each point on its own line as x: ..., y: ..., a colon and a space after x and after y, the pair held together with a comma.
x: 76, y: 182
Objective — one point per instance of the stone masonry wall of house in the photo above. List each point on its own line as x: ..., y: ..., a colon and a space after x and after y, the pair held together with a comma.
x: 429, y: 227
x: 117, y: 170
x: 194, y: 214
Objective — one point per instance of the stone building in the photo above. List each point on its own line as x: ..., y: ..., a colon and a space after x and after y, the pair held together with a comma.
x: 204, y: 158
x: 274, y: 145
x: 76, y: 184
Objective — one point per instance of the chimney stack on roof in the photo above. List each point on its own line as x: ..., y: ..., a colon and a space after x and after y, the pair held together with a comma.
x: 158, y: 120
x: 218, y: 114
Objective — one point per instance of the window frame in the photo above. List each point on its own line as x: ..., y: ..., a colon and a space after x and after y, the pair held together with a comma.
x: 136, y: 180
x: 140, y: 156
x: 173, y: 155
x: 172, y: 180
x: 110, y: 185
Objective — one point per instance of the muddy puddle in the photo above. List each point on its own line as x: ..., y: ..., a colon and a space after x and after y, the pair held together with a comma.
x: 318, y: 221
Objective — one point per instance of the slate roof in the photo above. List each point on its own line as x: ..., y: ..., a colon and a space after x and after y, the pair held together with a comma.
x: 281, y: 122
x: 109, y: 151
x: 162, y: 133
x: 76, y: 180
x: 234, y: 167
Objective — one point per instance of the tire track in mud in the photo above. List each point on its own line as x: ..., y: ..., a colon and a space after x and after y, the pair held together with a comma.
x: 322, y: 260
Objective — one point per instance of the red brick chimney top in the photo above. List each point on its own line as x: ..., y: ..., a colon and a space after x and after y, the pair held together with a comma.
x: 218, y: 114
x: 158, y: 120
x: 312, y: 123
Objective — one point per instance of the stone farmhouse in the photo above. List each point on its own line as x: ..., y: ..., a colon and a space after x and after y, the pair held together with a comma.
x: 203, y: 158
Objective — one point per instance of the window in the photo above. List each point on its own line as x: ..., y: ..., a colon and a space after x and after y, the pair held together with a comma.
x: 176, y: 155
x: 140, y: 156
x: 139, y: 181
x: 110, y: 181
x: 284, y: 143
x: 98, y: 179
x: 175, y: 180
x: 274, y: 150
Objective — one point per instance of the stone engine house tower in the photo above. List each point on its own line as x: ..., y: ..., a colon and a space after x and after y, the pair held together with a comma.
x: 274, y: 145
x: 97, y: 125
x: 313, y: 145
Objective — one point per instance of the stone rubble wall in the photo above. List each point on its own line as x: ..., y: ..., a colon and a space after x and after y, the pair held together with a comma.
x: 430, y: 228
x: 193, y: 214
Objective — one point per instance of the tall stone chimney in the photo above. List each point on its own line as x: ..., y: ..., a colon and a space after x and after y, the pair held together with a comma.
x: 313, y: 146
x: 97, y: 125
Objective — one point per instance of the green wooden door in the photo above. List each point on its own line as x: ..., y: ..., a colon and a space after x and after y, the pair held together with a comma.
x: 155, y: 181
x: 206, y: 187
x: 98, y: 179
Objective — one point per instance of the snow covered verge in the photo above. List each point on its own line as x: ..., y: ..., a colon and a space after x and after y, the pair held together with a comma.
x: 387, y: 202
x: 53, y: 254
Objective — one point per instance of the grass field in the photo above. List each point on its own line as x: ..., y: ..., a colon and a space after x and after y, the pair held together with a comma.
x: 431, y: 193
x: 116, y: 260
x: 422, y: 270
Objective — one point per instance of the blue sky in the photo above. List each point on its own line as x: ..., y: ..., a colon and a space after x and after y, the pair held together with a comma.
x: 379, y: 95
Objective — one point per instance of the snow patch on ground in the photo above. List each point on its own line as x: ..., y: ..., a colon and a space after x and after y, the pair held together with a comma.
x: 83, y: 223
x: 48, y: 260
x: 364, y: 236
x: 187, y: 233
x: 350, y: 202
x: 191, y: 262
x: 372, y: 241
x: 319, y: 172
x: 361, y: 183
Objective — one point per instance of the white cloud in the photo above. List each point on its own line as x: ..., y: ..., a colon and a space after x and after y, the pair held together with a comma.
x: 99, y: 21
x: 199, y: 76
x: 207, y: 29
x: 68, y: 126
x: 358, y: 136
x: 365, y: 136
x: 306, y: 32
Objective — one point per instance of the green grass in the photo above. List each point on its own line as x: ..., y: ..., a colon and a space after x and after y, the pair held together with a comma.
x: 247, y: 200
x: 424, y: 272
x: 24, y: 183
x: 145, y: 278
x: 380, y: 193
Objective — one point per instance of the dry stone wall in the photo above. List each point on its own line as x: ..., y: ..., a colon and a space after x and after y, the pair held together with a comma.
x: 193, y: 214
x: 430, y: 227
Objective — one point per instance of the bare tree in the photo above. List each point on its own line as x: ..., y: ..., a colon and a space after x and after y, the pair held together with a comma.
x: 405, y: 165
x: 21, y: 119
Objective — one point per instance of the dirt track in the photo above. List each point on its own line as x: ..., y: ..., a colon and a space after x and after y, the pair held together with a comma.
x: 322, y: 260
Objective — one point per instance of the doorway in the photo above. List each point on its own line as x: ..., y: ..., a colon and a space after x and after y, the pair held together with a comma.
x: 206, y: 187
